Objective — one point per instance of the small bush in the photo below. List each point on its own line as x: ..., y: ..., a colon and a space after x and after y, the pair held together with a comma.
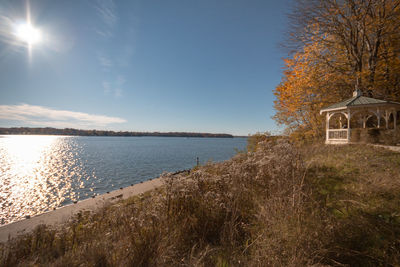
x: 397, y: 135
x: 387, y: 137
x: 375, y: 136
x: 369, y: 135
x: 355, y: 135
x: 255, y: 139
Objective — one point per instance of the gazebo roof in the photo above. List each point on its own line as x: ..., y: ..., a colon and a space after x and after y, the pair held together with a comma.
x: 358, y: 101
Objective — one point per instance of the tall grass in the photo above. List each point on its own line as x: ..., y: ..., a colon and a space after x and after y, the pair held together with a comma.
x: 278, y: 205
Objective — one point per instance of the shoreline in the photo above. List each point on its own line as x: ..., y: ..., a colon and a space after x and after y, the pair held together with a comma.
x: 63, y: 214
x: 94, y: 132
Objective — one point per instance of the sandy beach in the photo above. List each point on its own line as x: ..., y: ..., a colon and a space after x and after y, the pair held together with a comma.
x: 63, y: 214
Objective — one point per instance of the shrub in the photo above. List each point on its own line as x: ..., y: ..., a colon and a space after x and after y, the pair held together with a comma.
x: 369, y: 135
x: 375, y: 135
x: 387, y: 137
x: 355, y: 135
x: 397, y: 135
x: 255, y: 139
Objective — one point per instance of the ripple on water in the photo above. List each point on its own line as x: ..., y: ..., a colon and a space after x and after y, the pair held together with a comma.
x: 37, y: 174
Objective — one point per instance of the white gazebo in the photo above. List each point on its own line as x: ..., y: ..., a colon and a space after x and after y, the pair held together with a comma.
x: 366, y: 109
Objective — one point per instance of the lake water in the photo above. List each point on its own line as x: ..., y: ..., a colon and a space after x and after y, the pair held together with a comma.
x: 39, y: 173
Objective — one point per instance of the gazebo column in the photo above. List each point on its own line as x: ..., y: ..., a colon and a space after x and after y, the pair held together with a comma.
x: 327, y: 126
x: 364, y: 121
x: 348, y: 125
x: 365, y: 118
x: 378, y: 114
x: 387, y: 119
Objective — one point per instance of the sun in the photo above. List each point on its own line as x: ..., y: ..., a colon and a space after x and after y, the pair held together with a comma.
x: 28, y: 34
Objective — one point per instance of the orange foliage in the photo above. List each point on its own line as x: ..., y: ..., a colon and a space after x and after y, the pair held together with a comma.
x: 325, y: 72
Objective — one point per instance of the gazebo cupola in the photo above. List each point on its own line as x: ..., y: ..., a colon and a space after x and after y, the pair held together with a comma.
x: 358, y: 112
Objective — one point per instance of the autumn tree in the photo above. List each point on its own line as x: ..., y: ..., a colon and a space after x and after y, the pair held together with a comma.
x: 337, y: 46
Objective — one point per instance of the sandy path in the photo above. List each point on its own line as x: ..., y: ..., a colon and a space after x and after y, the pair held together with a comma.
x: 393, y: 148
x: 63, y: 214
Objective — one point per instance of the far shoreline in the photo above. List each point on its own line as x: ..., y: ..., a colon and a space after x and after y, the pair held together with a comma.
x: 233, y: 136
x: 79, y: 132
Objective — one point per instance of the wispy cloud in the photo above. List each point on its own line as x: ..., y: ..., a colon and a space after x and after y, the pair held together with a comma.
x: 107, y: 11
x: 7, y: 31
x: 112, y: 63
x: 114, y: 88
x: 105, y: 62
x: 44, y: 116
x: 120, y: 80
x: 117, y: 92
x: 125, y: 57
x: 106, y: 87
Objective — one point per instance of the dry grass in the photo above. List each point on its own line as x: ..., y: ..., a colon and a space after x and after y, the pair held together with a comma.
x: 277, y: 206
x: 358, y: 186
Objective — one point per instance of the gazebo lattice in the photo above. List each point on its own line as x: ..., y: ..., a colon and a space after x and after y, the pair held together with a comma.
x: 366, y: 108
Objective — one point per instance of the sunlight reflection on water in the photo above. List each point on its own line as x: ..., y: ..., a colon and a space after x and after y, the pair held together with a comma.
x: 37, y: 173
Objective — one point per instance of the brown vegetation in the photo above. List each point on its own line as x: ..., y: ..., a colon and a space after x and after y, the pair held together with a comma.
x: 375, y: 136
x: 277, y: 206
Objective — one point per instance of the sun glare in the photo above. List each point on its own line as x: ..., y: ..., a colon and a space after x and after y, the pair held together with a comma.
x: 28, y: 34
x: 33, y: 176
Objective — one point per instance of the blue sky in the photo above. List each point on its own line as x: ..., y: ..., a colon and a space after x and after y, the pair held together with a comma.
x: 142, y: 65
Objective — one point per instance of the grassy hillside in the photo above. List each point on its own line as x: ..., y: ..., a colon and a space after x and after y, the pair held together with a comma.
x: 280, y: 205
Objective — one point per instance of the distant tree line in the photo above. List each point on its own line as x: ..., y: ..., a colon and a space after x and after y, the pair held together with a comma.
x: 77, y: 132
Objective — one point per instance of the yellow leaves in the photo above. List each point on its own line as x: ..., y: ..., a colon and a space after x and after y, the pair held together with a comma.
x: 300, y: 94
x: 345, y: 44
x: 325, y: 70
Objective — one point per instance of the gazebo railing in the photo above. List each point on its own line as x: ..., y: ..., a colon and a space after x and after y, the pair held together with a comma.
x: 337, y: 134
